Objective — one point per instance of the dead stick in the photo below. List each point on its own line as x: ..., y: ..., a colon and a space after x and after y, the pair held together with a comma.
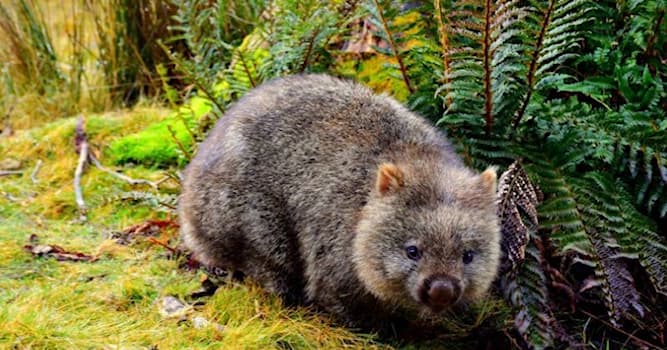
x: 10, y: 172
x: 634, y: 337
x: 33, y: 175
x: 83, y: 156
x: 81, y: 145
x: 125, y: 178
x: 164, y: 179
x: 166, y: 246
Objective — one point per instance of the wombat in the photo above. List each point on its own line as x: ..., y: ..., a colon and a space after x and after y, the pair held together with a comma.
x: 328, y: 194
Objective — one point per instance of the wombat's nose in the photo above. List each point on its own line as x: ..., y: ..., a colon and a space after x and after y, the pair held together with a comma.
x: 441, y: 292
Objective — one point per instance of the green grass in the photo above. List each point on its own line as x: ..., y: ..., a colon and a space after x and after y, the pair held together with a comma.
x: 114, y: 301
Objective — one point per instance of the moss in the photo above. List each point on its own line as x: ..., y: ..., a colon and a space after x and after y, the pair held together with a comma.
x: 153, y: 146
x: 156, y: 146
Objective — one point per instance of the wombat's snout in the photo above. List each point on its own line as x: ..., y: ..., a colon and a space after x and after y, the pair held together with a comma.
x: 438, y: 292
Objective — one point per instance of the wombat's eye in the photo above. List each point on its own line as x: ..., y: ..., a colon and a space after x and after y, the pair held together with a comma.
x: 413, y: 252
x: 467, y: 256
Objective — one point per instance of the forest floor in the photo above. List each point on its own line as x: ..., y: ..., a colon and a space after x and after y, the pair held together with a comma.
x: 113, y: 281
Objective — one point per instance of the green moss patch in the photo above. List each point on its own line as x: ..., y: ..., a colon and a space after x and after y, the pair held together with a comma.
x: 161, y: 144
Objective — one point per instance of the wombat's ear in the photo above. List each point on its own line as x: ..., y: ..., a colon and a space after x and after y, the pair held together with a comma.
x: 488, y: 180
x: 389, y: 178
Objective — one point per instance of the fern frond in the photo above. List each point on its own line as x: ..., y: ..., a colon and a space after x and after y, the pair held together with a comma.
x: 380, y: 20
x: 523, y: 281
x: 628, y: 144
x: 618, y: 286
x: 585, y: 219
x: 599, y: 201
x: 518, y: 198
x: 445, y: 48
x: 299, y: 36
x: 642, y: 238
x: 560, y: 213
x: 557, y: 32
x: 527, y: 291
x: 484, y: 61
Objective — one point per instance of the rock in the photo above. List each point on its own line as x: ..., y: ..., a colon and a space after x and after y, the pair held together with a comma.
x: 172, y: 307
x: 200, y: 322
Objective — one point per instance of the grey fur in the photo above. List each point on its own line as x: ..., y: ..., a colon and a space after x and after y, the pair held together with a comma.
x: 284, y: 189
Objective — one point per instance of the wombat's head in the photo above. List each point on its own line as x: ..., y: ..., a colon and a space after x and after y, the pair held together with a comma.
x: 428, y: 236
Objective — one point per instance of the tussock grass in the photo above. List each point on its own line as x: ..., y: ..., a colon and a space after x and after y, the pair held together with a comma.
x: 43, y: 60
x: 62, y: 57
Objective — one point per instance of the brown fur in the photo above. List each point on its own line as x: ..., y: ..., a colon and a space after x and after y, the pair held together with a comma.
x: 315, y: 186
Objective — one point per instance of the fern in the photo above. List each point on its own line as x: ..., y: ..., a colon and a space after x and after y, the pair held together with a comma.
x: 604, y: 225
x: 559, y: 33
x: 301, y: 35
x: 489, y: 51
x: 523, y: 281
x: 379, y: 19
x: 211, y: 31
x: 518, y: 199
x: 590, y: 217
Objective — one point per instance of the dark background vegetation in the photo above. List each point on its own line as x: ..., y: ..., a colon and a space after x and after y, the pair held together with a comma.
x: 575, y: 90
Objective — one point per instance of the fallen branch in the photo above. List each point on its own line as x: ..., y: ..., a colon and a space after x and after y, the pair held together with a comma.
x: 81, y: 142
x: 162, y: 180
x: 165, y: 245
x: 10, y: 172
x: 57, y: 252
x: 33, y: 175
x: 123, y: 177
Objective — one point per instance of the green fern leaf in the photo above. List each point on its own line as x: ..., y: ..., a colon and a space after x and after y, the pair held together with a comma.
x: 557, y: 32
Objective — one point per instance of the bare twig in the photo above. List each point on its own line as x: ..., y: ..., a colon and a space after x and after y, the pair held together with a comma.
x: 633, y: 337
x: 33, y: 175
x: 10, y: 172
x: 162, y: 180
x: 166, y: 246
x: 83, y: 156
x: 81, y: 142
x: 123, y: 177
x: 9, y: 197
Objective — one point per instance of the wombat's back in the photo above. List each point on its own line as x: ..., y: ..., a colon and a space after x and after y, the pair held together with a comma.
x: 311, y: 142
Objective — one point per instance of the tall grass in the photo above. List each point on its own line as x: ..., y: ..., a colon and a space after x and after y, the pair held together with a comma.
x: 127, y: 35
x: 28, y: 51
x: 61, y: 57
x: 37, y: 80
